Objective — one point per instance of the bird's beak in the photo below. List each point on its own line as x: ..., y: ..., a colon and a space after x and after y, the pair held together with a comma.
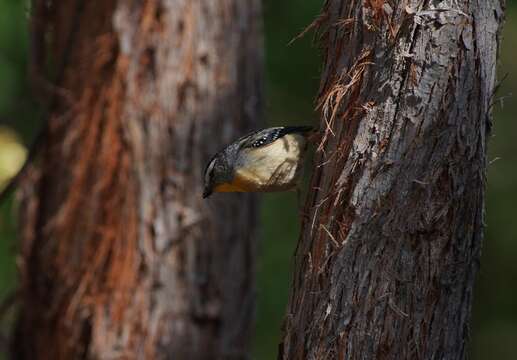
x: 207, y: 192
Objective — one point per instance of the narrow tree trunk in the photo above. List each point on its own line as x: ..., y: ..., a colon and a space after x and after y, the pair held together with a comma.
x: 390, y: 247
x: 121, y: 258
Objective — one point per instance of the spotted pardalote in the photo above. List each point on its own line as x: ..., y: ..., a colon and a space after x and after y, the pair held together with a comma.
x: 264, y: 161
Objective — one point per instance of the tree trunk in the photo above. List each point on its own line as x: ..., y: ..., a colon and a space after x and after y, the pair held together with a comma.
x: 120, y: 256
x: 391, y: 241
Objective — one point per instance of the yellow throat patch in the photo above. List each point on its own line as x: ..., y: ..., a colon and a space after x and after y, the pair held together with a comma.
x: 242, y: 182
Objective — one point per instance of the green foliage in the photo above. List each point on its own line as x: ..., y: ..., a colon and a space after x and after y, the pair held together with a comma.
x: 7, y: 262
x: 17, y: 108
x: 7, y: 236
x: 495, y: 311
x: 292, y: 73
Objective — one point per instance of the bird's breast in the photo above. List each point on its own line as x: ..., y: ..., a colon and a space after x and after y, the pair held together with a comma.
x: 275, y: 167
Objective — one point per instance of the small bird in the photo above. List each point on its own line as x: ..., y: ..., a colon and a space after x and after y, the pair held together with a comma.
x: 267, y: 160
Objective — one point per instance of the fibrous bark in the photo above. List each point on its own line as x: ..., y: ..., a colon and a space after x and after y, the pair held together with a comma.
x: 391, y: 241
x: 120, y: 256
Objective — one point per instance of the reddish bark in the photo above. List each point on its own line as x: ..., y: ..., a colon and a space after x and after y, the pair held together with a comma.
x: 120, y: 256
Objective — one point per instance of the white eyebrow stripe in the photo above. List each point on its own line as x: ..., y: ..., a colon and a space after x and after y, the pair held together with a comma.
x: 209, y: 170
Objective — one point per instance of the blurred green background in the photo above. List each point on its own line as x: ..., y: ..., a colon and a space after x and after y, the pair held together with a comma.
x: 292, y: 82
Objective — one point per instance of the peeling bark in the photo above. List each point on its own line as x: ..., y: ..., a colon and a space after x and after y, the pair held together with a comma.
x: 120, y: 256
x: 391, y: 241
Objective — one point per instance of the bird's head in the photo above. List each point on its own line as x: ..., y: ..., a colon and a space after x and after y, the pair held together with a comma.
x: 218, y: 174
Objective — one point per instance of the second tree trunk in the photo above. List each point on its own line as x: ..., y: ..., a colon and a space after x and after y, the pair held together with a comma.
x: 390, y: 247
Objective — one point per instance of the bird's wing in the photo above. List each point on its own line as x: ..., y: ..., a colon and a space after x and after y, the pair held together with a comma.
x: 267, y: 136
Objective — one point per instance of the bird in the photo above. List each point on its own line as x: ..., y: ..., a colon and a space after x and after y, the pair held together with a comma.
x: 267, y: 160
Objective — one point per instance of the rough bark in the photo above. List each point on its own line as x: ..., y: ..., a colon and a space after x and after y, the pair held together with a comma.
x: 391, y: 241
x: 120, y: 256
